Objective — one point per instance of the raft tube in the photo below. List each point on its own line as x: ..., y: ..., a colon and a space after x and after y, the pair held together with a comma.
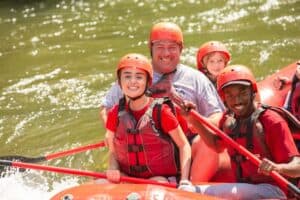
x: 276, y: 97
x: 269, y: 94
x: 124, y: 191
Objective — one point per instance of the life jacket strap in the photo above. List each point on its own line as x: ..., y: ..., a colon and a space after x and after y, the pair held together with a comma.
x: 138, y: 168
x: 132, y: 131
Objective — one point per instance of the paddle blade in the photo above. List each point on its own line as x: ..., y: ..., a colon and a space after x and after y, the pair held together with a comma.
x: 20, y: 159
x: 23, y: 159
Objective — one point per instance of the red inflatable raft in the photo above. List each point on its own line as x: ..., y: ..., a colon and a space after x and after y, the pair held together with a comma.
x: 268, y: 95
x: 276, y: 97
x: 126, y: 191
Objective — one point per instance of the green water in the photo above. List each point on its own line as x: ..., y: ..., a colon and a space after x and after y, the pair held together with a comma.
x: 57, y: 59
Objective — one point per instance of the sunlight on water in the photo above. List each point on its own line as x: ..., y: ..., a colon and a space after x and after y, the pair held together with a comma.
x: 268, y: 5
x: 20, y: 126
x: 16, y: 88
x: 58, y: 58
x: 264, y: 55
x: 72, y: 93
x: 31, y: 185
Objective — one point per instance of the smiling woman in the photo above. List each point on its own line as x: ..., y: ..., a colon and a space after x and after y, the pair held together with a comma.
x: 141, y: 142
x: 135, y: 74
x: 56, y: 61
x: 133, y: 83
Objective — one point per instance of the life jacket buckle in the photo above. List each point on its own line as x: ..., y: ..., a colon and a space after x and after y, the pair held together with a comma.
x: 238, y: 158
x: 135, y: 148
x: 138, y: 168
x: 132, y: 131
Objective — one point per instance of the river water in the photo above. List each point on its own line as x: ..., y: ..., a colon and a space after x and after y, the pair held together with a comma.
x: 57, y: 60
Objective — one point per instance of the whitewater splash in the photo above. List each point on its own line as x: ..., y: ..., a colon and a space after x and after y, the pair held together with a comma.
x: 31, y: 185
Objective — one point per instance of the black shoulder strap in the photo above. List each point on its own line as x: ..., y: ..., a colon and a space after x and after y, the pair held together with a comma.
x: 167, y: 101
x: 293, y: 122
x: 250, y: 125
x: 122, y: 104
x: 293, y: 87
x: 121, y: 108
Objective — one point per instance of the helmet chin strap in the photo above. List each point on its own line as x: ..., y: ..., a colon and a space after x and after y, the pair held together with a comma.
x: 139, y: 96
x: 205, y: 70
x: 208, y: 74
x: 252, y: 99
x: 253, y: 103
x: 253, y: 95
x: 135, y: 98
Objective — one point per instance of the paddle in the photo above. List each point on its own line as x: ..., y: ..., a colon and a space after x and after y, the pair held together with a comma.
x: 296, y: 136
x: 54, y: 155
x: 285, y: 184
x: 81, y: 173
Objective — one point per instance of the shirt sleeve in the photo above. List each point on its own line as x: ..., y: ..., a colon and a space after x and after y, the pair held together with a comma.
x: 112, y: 119
x: 182, y: 121
x: 209, y: 101
x: 193, y: 85
x: 112, y: 97
x: 279, y: 139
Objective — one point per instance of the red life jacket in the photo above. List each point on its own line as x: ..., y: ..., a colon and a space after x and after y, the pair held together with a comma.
x: 242, y: 132
x: 142, y: 150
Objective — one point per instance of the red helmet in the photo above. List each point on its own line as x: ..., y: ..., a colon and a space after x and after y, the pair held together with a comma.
x: 166, y: 31
x: 209, y: 47
x: 235, y: 74
x: 137, y: 61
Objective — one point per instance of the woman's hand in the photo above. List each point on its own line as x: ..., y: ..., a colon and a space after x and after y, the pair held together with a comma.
x: 113, y: 175
x: 185, y: 185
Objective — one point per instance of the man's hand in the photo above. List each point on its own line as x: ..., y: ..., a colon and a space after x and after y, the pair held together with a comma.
x: 187, y: 106
x: 267, y: 166
x: 280, y: 81
x: 162, y: 88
